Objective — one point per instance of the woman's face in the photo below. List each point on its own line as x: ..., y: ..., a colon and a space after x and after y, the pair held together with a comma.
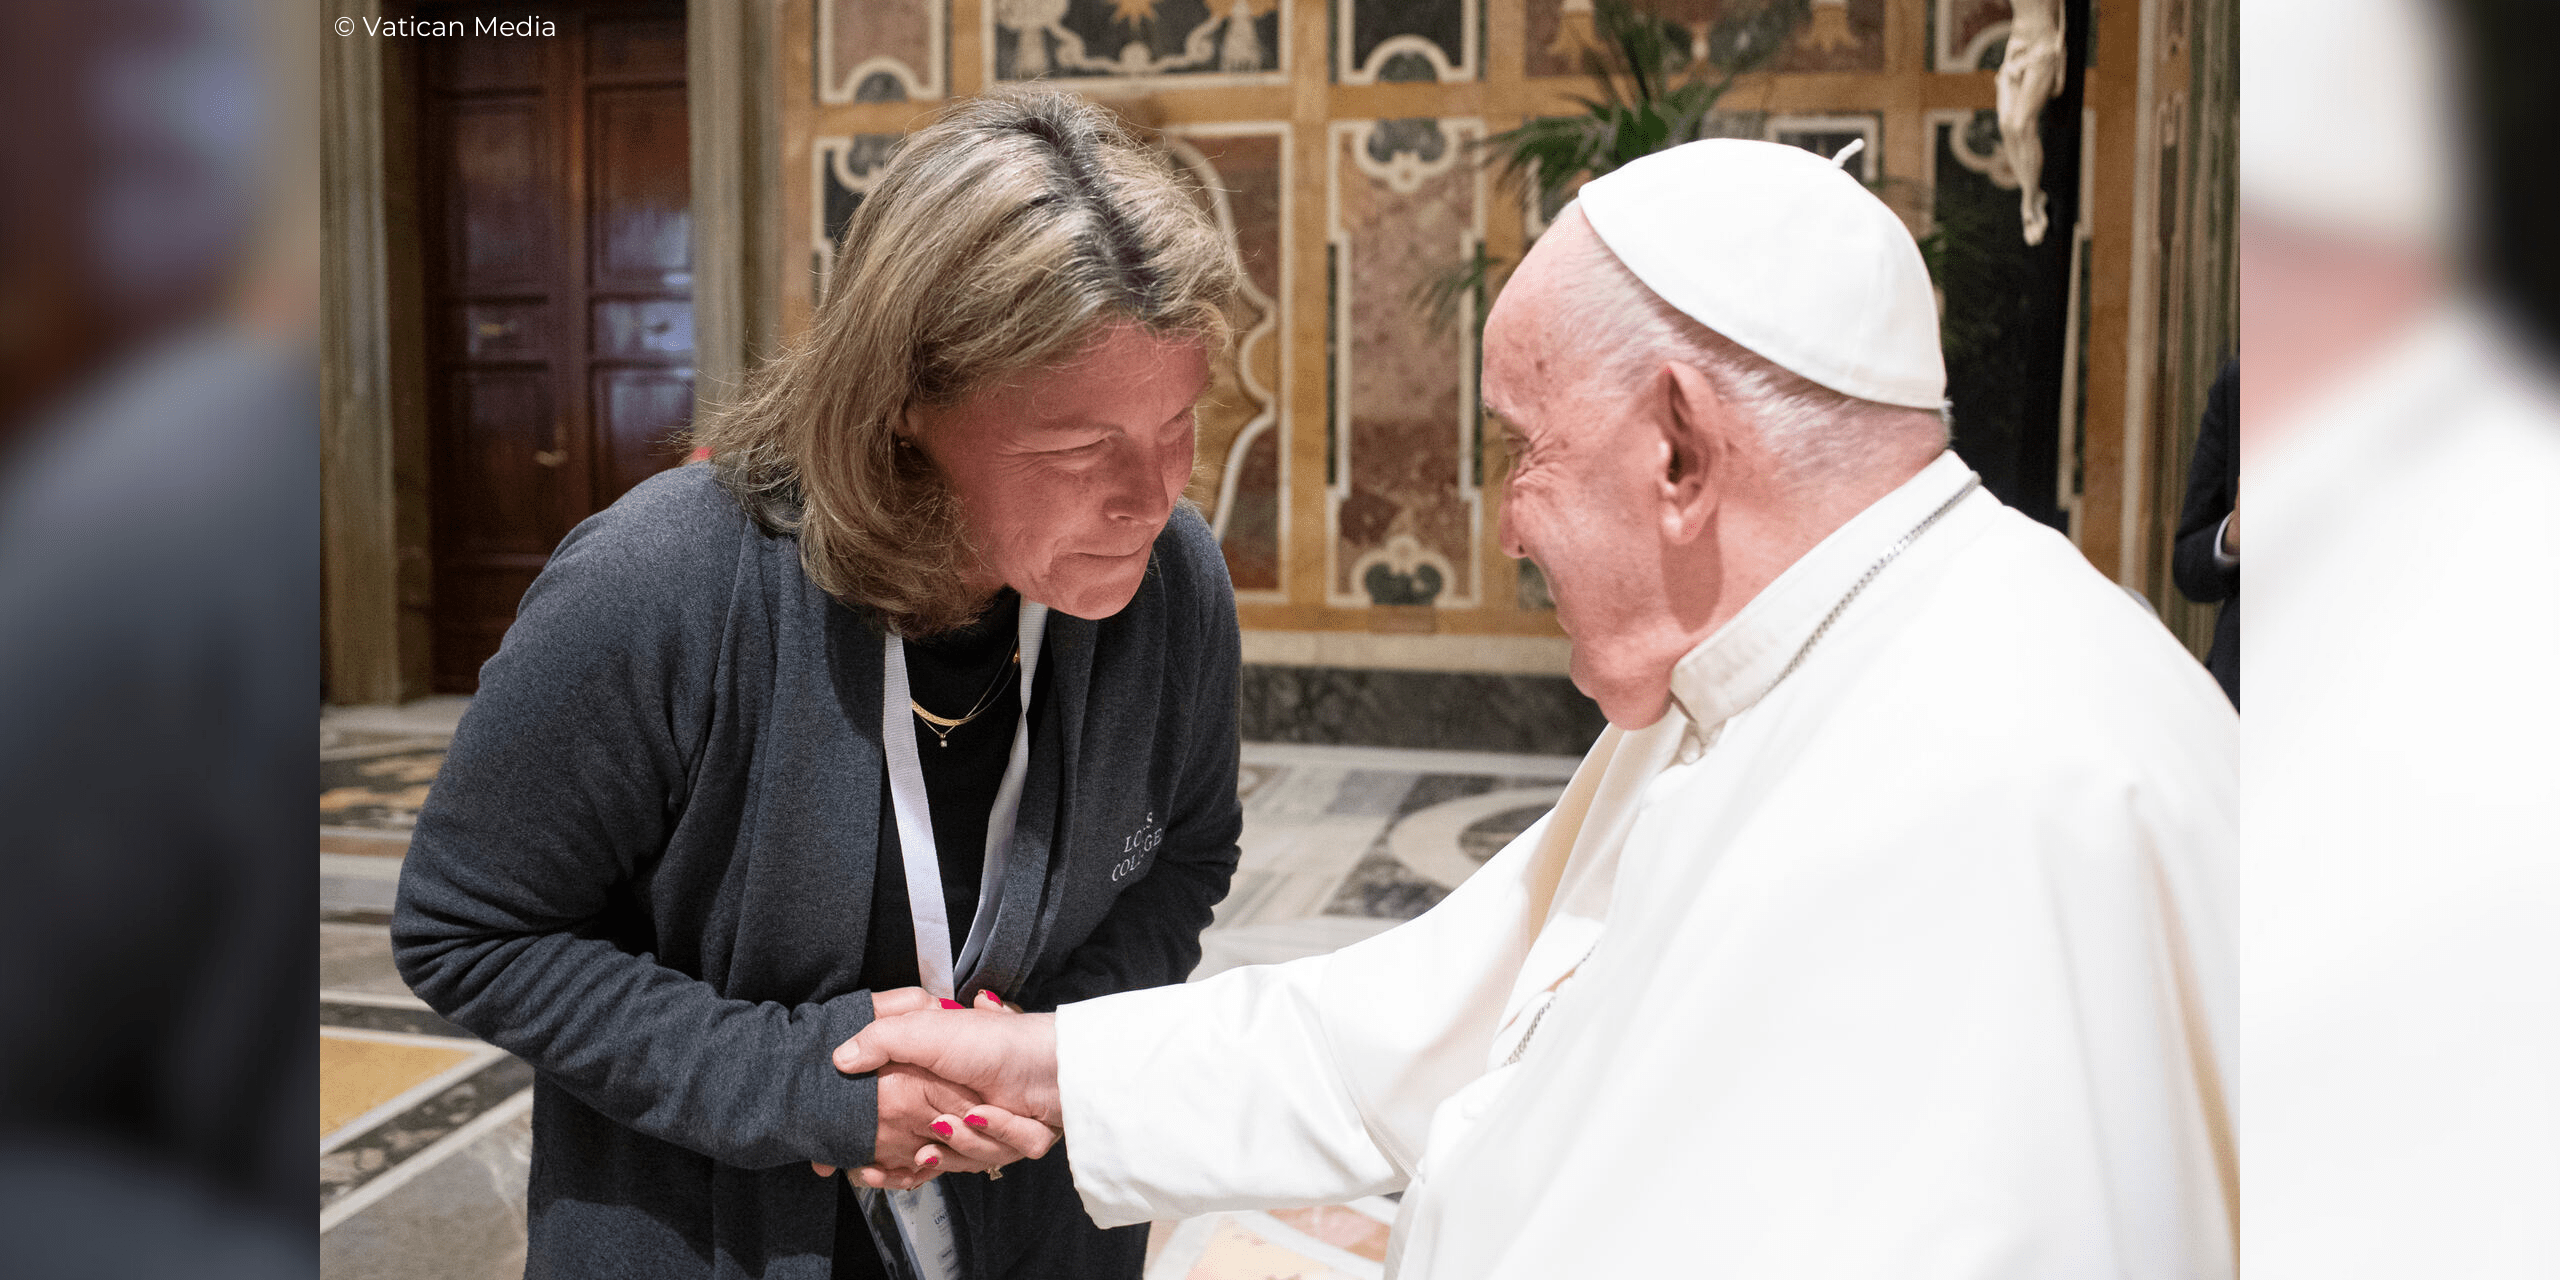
x: 1067, y: 474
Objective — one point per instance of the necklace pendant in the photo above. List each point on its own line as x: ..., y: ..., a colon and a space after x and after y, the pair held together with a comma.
x: 944, y: 743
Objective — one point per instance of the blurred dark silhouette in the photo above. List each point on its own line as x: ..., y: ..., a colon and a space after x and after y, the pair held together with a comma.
x: 2207, y: 561
x: 158, y: 647
x: 2509, y: 102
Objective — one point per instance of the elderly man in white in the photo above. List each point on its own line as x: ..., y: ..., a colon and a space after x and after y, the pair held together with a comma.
x: 1886, y: 933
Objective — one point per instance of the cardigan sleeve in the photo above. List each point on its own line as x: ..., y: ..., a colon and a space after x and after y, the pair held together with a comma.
x: 565, y: 777
x: 1151, y: 935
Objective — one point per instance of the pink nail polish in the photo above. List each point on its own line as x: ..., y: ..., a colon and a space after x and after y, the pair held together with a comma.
x: 976, y: 1122
x: 933, y: 1160
x: 941, y: 1128
x: 953, y: 1004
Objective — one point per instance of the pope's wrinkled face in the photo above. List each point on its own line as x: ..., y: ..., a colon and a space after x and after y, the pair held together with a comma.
x: 1066, y: 474
x: 1582, y: 498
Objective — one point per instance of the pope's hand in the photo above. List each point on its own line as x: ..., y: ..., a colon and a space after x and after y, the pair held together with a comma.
x: 1009, y: 1059
x: 929, y: 1126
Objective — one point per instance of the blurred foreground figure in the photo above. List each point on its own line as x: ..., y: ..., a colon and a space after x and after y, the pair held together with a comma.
x: 158, y: 649
x: 2402, y: 467
x: 1886, y: 932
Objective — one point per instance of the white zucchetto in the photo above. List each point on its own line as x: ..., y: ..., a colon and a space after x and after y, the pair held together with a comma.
x: 1786, y: 254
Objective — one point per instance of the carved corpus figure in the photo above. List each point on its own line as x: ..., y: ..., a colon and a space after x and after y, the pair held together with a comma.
x: 2030, y: 75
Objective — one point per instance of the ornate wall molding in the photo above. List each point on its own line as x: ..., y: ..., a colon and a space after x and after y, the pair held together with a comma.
x: 881, y: 50
x: 1138, y: 44
x: 1403, y: 503
x: 1244, y: 171
x: 1966, y: 35
x: 1407, y: 41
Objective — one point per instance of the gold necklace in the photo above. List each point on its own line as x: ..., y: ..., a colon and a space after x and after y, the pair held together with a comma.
x: 943, y: 725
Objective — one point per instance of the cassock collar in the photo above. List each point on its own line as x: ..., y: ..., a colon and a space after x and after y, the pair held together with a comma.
x: 1738, y: 665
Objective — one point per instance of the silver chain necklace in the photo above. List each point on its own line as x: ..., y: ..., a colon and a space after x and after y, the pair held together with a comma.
x: 1971, y: 483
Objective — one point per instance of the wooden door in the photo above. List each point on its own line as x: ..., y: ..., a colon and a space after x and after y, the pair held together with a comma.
x: 556, y: 183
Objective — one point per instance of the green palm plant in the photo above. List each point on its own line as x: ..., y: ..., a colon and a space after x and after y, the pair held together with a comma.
x: 1654, y: 93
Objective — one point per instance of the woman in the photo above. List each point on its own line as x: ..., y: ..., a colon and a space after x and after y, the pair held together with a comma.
x: 926, y: 680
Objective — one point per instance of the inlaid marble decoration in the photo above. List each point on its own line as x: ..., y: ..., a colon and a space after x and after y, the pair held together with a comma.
x: 1403, y: 508
x: 1836, y: 35
x: 1972, y: 140
x: 1406, y: 41
x: 880, y: 50
x: 1192, y: 43
x: 1446, y: 826
x: 1967, y: 35
x: 1828, y: 135
x: 845, y: 169
x: 1242, y: 170
x: 1533, y: 592
x: 382, y: 791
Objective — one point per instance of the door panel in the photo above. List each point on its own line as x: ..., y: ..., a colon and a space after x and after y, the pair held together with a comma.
x: 468, y: 66
x: 504, y: 330
x: 501, y: 208
x: 635, y: 49
x: 638, y: 412
x: 507, y: 451
x: 558, y: 244
x: 640, y: 223
x: 632, y: 329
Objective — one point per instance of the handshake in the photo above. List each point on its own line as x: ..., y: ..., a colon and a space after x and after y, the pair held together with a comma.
x: 962, y: 1090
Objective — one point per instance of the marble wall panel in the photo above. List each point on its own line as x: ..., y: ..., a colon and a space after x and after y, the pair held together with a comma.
x: 1242, y: 171
x: 1967, y: 35
x: 880, y: 50
x: 1403, y: 510
x: 1837, y: 35
x: 1406, y: 41
x: 1192, y: 43
x: 845, y: 168
x: 1829, y: 135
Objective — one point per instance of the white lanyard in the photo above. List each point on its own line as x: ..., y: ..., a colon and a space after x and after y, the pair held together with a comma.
x: 934, y: 967
x: 923, y: 1242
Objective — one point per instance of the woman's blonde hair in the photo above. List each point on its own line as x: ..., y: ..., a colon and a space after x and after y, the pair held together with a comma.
x: 1001, y: 238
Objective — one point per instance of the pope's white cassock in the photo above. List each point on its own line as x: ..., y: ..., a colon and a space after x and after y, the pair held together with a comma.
x: 1899, y: 948
x: 1915, y: 963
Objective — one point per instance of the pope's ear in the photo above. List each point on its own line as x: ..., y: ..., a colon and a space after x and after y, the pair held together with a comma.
x: 1696, y: 426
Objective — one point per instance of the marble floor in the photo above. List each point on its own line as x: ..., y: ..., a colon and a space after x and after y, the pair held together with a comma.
x: 426, y: 1131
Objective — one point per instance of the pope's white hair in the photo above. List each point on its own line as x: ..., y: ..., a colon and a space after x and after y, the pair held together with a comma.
x: 1625, y: 331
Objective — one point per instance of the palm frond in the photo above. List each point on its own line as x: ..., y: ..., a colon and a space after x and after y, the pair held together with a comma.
x: 1442, y: 297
